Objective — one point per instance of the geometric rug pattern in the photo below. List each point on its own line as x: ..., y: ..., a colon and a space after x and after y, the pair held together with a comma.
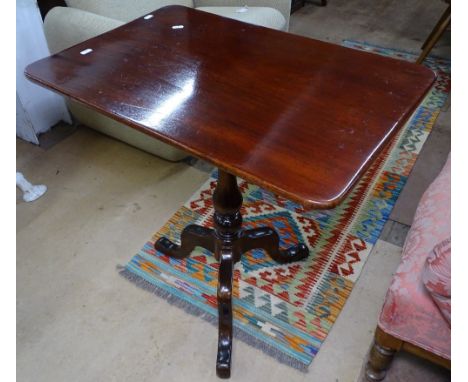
x: 287, y: 310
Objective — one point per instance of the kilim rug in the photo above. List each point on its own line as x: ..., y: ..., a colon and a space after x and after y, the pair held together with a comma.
x: 288, y: 310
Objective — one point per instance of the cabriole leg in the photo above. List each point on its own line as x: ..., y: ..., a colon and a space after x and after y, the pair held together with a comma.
x: 223, y: 358
x: 227, y: 201
x: 192, y: 236
x: 267, y: 239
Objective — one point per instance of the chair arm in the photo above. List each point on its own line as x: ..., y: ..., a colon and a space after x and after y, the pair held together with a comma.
x: 65, y: 27
x: 284, y: 6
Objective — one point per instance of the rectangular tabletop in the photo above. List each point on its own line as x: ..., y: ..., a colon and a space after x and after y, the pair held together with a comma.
x: 300, y: 117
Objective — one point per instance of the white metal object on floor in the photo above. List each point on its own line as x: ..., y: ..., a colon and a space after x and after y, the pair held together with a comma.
x: 30, y: 192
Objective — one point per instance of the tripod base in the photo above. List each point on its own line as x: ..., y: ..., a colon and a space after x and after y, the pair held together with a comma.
x: 228, y: 242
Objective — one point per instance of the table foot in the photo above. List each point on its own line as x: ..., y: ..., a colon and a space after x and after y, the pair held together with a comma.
x: 227, y: 241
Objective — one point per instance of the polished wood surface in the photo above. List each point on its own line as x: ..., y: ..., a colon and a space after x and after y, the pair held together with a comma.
x: 300, y: 117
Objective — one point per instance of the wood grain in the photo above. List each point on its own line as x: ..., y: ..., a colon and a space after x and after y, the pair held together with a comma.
x: 300, y: 117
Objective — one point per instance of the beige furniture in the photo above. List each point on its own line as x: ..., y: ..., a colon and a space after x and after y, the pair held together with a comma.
x: 83, y: 19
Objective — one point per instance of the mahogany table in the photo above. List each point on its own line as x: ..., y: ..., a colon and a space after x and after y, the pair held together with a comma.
x: 299, y: 117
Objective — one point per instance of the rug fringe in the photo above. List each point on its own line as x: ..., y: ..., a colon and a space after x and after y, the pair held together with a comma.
x: 195, y: 311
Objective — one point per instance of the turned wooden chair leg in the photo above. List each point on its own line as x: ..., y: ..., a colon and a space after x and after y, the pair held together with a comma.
x: 380, y: 359
x: 381, y: 355
x: 435, y: 35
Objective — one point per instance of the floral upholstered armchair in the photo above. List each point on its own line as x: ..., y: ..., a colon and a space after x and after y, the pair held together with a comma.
x: 416, y: 314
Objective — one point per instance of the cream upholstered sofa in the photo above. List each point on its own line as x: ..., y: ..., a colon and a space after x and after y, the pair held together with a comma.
x: 84, y: 19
